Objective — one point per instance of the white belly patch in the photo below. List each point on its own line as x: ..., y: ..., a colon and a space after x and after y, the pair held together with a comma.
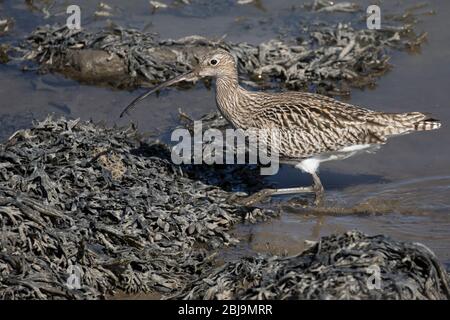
x: 356, y: 147
x: 311, y: 165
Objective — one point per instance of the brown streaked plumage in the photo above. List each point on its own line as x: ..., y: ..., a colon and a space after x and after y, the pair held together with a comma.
x: 314, y: 128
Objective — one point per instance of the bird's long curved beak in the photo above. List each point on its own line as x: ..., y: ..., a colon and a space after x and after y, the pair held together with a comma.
x: 192, y: 75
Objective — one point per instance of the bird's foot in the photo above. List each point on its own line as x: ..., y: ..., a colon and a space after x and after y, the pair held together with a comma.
x: 256, y: 197
x: 259, y: 196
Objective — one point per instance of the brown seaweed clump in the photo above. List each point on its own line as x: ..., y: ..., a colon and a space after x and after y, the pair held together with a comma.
x: 77, y: 196
x: 337, y: 267
x: 329, y: 57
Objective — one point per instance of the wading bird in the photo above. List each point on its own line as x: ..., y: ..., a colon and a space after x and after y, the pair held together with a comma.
x: 314, y: 128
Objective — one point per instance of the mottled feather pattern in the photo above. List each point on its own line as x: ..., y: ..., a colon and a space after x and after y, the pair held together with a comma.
x: 310, y: 124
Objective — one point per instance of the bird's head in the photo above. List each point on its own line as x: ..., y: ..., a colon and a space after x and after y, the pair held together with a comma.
x: 217, y: 63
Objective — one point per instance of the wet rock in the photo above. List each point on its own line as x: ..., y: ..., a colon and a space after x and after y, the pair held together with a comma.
x: 95, y: 66
x: 344, y: 266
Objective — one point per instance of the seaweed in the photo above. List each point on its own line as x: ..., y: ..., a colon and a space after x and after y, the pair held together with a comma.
x: 75, y: 194
x: 337, y: 267
x: 322, y: 58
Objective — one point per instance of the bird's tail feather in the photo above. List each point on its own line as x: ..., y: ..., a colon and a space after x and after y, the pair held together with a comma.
x: 427, y: 124
x: 417, y: 121
x: 401, y: 123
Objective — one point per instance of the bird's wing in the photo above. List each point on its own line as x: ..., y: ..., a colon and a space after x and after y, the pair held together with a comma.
x: 316, y: 124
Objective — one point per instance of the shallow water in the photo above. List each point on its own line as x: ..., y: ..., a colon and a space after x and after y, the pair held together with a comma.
x: 405, y: 186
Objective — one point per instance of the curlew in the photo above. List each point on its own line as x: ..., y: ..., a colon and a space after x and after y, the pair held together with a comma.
x: 315, y: 128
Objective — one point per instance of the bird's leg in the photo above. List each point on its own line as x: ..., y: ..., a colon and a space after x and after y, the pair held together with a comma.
x: 318, y: 189
x: 265, y: 193
x: 279, y: 192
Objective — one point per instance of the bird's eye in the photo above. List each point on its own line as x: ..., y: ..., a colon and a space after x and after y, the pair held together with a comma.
x: 213, y: 62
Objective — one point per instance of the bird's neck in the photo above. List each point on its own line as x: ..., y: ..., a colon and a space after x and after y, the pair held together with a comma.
x: 230, y: 98
x: 227, y: 83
